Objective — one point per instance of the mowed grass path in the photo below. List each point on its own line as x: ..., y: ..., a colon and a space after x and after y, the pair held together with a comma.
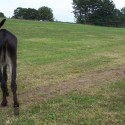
x: 51, y: 53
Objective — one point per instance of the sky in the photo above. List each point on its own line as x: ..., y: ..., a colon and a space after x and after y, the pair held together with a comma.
x: 62, y: 9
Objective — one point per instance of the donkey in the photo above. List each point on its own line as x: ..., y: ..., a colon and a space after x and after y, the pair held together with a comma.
x: 8, y: 56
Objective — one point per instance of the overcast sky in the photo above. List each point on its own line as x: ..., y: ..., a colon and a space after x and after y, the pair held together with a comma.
x: 62, y: 9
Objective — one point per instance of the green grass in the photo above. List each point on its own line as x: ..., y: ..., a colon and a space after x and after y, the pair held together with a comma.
x: 104, y: 106
x: 74, y: 49
x: 51, y: 53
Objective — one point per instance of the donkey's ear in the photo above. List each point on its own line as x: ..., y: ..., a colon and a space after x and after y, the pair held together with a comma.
x: 2, y: 22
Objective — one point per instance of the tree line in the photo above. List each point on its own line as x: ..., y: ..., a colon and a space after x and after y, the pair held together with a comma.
x: 43, y: 13
x: 94, y: 12
x: 98, y: 12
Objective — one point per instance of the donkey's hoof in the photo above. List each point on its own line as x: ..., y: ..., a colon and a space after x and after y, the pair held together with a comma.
x: 4, y: 103
x: 16, y: 111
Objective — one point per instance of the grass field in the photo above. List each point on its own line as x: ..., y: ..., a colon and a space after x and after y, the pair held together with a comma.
x: 68, y: 74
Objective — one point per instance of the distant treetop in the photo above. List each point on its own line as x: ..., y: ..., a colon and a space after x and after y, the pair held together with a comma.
x: 43, y: 13
x: 98, y: 12
x: 2, y: 15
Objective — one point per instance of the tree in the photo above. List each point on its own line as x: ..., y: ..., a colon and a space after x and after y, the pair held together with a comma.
x: 33, y: 14
x: 80, y: 10
x: 123, y: 15
x: 45, y: 13
x: 123, y: 10
x: 2, y: 15
x: 83, y: 9
x: 30, y: 14
x: 24, y: 13
x: 18, y: 13
x: 97, y: 12
x: 104, y: 14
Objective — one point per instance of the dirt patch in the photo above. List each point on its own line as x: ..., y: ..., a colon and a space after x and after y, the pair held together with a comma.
x: 80, y: 83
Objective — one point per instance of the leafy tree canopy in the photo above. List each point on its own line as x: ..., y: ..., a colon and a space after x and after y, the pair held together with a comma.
x: 43, y: 13
x: 98, y: 12
x: 2, y: 15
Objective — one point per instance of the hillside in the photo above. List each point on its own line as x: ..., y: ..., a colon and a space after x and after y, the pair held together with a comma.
x: 68, y: 74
